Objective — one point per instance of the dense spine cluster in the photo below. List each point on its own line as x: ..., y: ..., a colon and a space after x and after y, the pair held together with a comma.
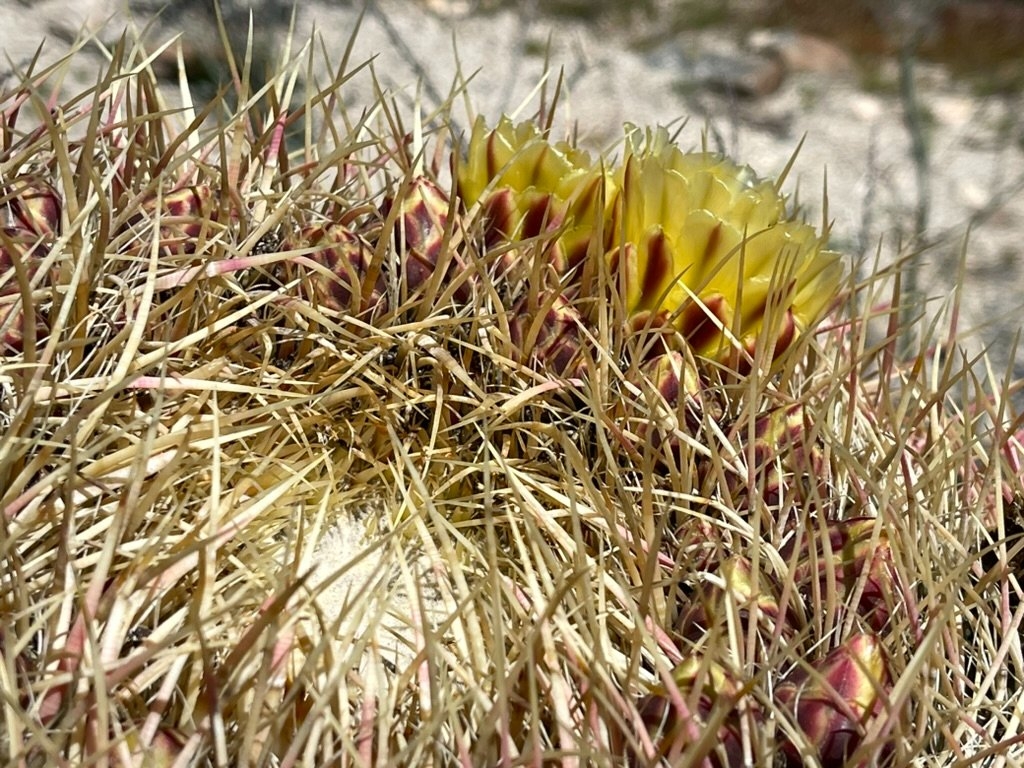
x: 621, y: 496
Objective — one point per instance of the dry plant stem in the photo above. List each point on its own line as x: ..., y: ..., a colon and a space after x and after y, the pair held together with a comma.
x: 919, y: 152
x: 909, y: 18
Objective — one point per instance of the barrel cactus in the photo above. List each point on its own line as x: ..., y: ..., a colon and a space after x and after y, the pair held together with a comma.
x: 313, y: 452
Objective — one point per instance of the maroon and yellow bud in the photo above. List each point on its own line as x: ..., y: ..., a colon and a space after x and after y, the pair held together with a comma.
x: 163, y: 751
x: 185, y: 216
x: 671, y: 375
x: 781, y: 427
x: 22, y: 247
x: 834, y: 700
x: 549, y: 334
x: 851, y: 558
x: 734, y: 597
x: 346, y: 259
x: 35, y: 207
x: 529, y: 188
x: 778, y: 450
x: 704, y: 688
x: 661, y: 397
x: 420, y: 237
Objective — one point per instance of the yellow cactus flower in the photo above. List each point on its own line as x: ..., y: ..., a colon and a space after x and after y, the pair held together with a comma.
x: 528, y: 186
x: 703, y: 243
x: 694, y: 240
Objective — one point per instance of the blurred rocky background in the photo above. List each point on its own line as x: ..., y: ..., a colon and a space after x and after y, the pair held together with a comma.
x: 914, y: 107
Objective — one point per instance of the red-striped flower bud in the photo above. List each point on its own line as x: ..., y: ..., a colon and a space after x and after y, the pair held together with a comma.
x: 421, y: 243
x: 778, y: 434
x: 35, y: 206
x: 17, y: 246
x: 660, y: 397
x: 549, y: 334
x: 734, y: 595
x: 834, y: 700
x: 163, y: 750
x: 672, y: 377
x: 705, y: 688
x: 849, y: 556
x: 185, y: 216
x: 780, y: 457
x: 347, y: 259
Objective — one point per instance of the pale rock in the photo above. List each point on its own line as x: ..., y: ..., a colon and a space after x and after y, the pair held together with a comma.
x: 801, y: 52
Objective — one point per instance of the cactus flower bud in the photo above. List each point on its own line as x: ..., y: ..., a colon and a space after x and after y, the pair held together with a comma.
x: 420, y: 239
x: 704, y: 687
x: 184, y: 214
x: 21, y: 245
x: 672, y: 376
x: 668, y: 399
x: 36, y: 207
x: 549, y: 334
x: 833, y: 701
x: 712, y: 601
x: 778, y: 450
x: 778, y: 427
x: 165, y: 747
x: 848, y: 558
x: 347, y: 258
